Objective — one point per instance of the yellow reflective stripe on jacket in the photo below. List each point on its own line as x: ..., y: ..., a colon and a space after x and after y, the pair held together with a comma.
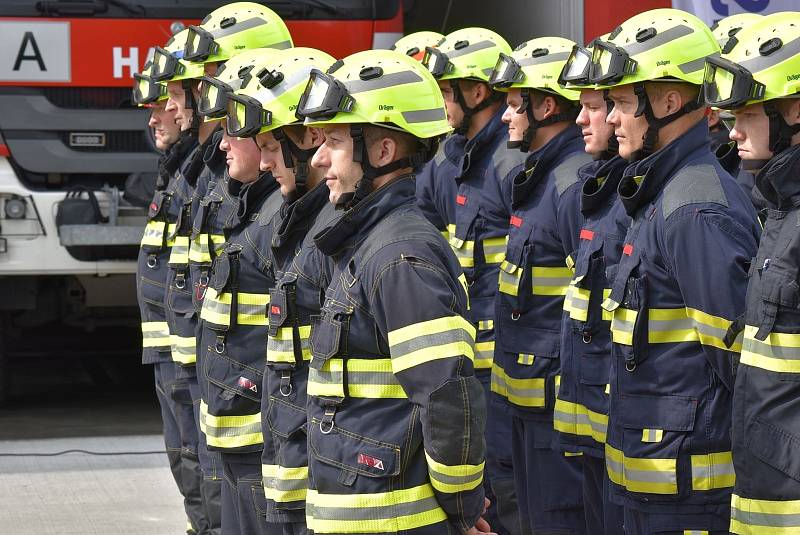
x: 713, y: 471
x: 779, y: 352
x: 764, y: 517
x: 154, y: 233
x: 283, y: 484
x: 550, y: 281
x: 522, y: 392
x: 654, y: 476
x: 576, y: 302
x: 420, y: 343
x: 230, y: 431
x: 673, y: 325
x: 198, y: 249
x: 179, y: 253
x: 464, y: 250
x: 366, y: 378
x: 510, y: 276
x: 280, y: 348
x: 607, y: 316
x: 251, y: 308
x: 183, y: 349
x: 457, y: 478
x: 155, y: 334
x: 494, y: 249
x: 695, y: 532
x: 484, y: 355
x: 385, y: 512
x: 575, y: 419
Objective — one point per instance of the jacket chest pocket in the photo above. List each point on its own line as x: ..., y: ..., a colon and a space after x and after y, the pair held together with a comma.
x: 584, y: 293
x: 654, y: 433
x: 287, y: 343
x: 329, y: 332
x: 628, y: 306
x: 515, y: 279
x: 463, y: 234
x: 156, y: 232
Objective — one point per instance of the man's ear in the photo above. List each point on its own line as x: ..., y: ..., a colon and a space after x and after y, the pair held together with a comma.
x: 791, y: 111
x: 314, y: 137
x: 383, y: 151
x: 549, y: 106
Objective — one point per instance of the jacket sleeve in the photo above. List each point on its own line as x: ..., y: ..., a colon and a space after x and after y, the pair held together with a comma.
x: 426, y: 195
x: 419, y: 310
x: 709, y: 254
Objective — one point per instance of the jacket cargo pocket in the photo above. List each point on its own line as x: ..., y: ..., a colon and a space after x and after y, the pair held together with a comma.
x: 180, y: 301
x: 152, y: 293
x: 462, y: 236
x: 629, y: 323
x: 595, y: 373
x: 328, y: 331
x: 285, y: 419
x: 526, y: 372
x: 653, y: 435
x: 776, y: 446
x: 234, y: 388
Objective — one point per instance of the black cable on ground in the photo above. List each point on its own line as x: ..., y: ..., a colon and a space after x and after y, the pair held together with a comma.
x: 85, y: 452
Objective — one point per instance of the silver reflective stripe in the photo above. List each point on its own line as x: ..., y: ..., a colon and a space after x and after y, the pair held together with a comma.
x: 755, y: 520
x: 389, y: 80
x: 238, y: 27
x: 650, y: 476
x: 758, y: 63
x: 251, y: 310
x: 430, y: 341
x: 424, y: 116
x: 223, y: 432
x: 770, y: 351
x: 353, y: 378
x: 712, y: 471
x: 581, y: 419
x: 530, y: 393
x: 694, y: 65
x: 469, y: 49
x: 370, y: 513
x: 659, y: 39
x: 549, y: 58
x: 454, y: 480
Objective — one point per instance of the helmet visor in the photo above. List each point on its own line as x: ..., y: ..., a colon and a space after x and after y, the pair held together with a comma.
x: 146, y: 91
x: 610, y: 63
x: 436, y: 61
x: 213, y: 97
x: 506, y: 72
x: 165, y: 65
x: 245, y: 117
x: 199, y: 44
x: 576, y: 69
x: 323, y: 97
x: 728, y: 85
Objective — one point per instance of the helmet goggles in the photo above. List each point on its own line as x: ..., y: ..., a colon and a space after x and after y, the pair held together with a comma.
x: 324, y: 97
x: 146, y: 90
x: 729, y: 85
x: 245, y: 116
x: 437, y: 62
x: 576, y: 69
x: 200, y: 44
x: 506, y: 72
x: 165, y: 64
x: 610, y: 63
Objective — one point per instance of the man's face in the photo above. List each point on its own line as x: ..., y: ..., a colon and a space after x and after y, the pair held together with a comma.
x: 176, y: 103
x: 272, y: 161
x: 165, y: 130
x: 751, y: 132
x: 630, y: 130
x: 517, y: 122
x: 455, y: 114
x: 335, y: 159
x: 592, y: 120
x: 242, y: 156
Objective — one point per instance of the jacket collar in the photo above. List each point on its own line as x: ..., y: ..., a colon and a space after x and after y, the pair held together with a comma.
x: 540, y: 162
x: 298, y: 216
x: 359, y: 220
x: 644, y: 179
x: 252, y: 195
x: 462, y: 152
x: 777, y: 182
x: 214, y: 157
x: 600, y: 181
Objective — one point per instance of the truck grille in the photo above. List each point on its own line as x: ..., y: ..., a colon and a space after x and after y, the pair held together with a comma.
x: 116, y: 141
x: 95, y: 98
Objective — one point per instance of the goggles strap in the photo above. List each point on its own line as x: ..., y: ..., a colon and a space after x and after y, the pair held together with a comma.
x: 296, y: 158
x: 534, y: 125
x: 654, y: 124
x: 191, y: 103
x: 469, y: 112
x: 780, y: 132
x: 613, y: 144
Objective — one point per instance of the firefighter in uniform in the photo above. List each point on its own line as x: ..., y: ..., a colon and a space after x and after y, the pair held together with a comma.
x: 414, y: 44
x: 302, y: 272
x: 668, y: 449
x: 580, y: 414
x: 757, y: 78
x: 395, y: 414
x: 178, y: 172
x: 545, y: 222
x: 466, y: 192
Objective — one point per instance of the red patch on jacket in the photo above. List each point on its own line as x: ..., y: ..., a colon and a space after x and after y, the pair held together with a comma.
x: 275, y: 309
x: 628, y: 249
x: 516, y: 221
x: 372, y: 462
x: 587, y: 234
x: 461, y: 199
x: 244, y: 382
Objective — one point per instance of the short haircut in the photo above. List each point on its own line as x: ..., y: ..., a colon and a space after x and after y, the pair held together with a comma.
x: 564, y: 104
x: 407, y: 144
x: 689, y: 92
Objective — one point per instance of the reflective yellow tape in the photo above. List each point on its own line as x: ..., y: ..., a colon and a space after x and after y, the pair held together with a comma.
x: 510, y: 276
x: 652, y: 435
x: 183, y: 349
x: 280, y: 348
x: 198, y: 249
x: 713, y: 471
x: 154, y: 233
x: 522, y: 392
x: 484, y: 355
x: 576, y: 302
x: 494, y: 249
x: 485, y: 325
x: 606, y: 314
x: 575, y: 419
x: 464, y: 250
x: 283, y: 484
x: 695, y: 532
x: 420, y: 343
x: 653, y: 476
x: 179, y: 253
x: 764, y: 517
x: 622, y: 323
x: 526, y: 360
x: 155, y: 334
x: 230, y: 431
x: 779, y: 352
x: 455, y: 478
x: 673, y: 326
x: 366, y: 378
x: 550, y: 281
x: 251, y: 308
x: 385, y: 512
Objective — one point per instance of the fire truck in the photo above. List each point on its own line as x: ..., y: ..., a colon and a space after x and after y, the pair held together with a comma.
x: 67, y: 126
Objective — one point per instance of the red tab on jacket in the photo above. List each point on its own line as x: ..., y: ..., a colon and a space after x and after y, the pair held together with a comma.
x: 628, y: 249
x: 372, y: 462
x: 461, y: 199
x: 244, y: 382
x: 275, y: 310
x: 587, y: 234
x: 516, y: 221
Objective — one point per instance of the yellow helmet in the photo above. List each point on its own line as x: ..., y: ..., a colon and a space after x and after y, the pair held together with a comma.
x: 414, y: 44
x: 726, y: 28
x: 168, y: 63
x: 147, y: 91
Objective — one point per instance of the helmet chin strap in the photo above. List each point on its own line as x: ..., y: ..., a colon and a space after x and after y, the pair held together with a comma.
x: 463, y: 128
x: 526, y: 107
x: 296, y: 158
x: 780, y: 132
x: 612, y: 149
x: 191, y: 103
x: 370, y: 172
x: 654, y: 124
